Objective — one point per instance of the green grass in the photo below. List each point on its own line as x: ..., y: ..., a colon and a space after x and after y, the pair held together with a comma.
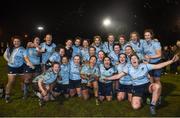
x: 78, y: 107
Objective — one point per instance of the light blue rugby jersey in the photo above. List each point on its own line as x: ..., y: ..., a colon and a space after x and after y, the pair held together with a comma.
x: 16, y: 58
x: 114, y: 57
x: 48, y: 77
x: 125, y: 80
x: 138, y: 48
x: 33, y: 56
x: 123, y: 47
x: 106, y: 73
x: 86, y: 69
x: 99, y: 62
x: 76, y: 50
x: 64, y: 74
x: 74, y: 71
x: 49, y: 51
x: 107, y: 48
x: 55, y: 57
x: 150, y: 48
x: 85, y: 54
x: 138, y: 75
x: 98, y: 48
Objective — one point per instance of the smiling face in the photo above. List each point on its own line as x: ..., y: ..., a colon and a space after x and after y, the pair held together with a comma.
x: 69, y: 43
x: 122, y: 58
x: 122, y: 40
x: 128, y: 51
x: 134, y: 37
x: 48, y: 39
x: 92, y: 51
x: 92, y: 60
x: 77, y: 42
x: 97, y: 41
x: 76, y: 60
x: 55, y: 68
x: 107, y: 62
x: 62, y: 52
x: 16, y: 42
x: 36, y: 41
x: 147, y: 36
x: 134, y: 61
x: 117, y: 49
x: 101, y: 55
x: 64, y: 60
x: 111, y: 39
x: 85, y: 43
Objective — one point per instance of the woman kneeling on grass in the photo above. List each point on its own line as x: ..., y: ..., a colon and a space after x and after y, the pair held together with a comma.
x: 141, y: 84
x: 90, y: 75
x: 45, y: 83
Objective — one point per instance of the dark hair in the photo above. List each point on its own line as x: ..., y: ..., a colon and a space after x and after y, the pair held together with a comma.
x: 110, y: 34
x: 102, y: 52
x: 92, y: 47
x: 86, y: 40
x: 48, y: 34
x: 92, y: 57
x: 11, y: 46
x: 135, y: 56
x: 116, y: 44
x: 124, y: 55
x: 109, y: 59
x: 65, y: 56
x: 68, y: 40
x: 77, y: 56
x: 78, y: 38
x: 130, y: 47
x: 123, y: 36
x: 150, y: 31
x: 54, y: 63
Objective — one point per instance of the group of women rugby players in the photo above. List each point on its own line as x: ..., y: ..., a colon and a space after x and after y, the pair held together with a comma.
x: 125, y: 69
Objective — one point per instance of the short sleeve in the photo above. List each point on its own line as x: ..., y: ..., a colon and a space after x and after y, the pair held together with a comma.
x: 125, y: 70
x: 149, y: 67
x: 25, y: 53
x: 157, y: 46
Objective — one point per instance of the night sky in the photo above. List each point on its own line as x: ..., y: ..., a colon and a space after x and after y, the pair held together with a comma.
x: 70, y: 18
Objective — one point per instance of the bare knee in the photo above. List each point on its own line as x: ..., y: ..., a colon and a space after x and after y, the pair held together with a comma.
x: 109, y: 98
x: 101, y: 98
x: 156, y: 87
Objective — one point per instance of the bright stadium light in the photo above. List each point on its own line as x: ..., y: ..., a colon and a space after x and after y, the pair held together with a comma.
x: 40, y: 28
x: 107, y: 22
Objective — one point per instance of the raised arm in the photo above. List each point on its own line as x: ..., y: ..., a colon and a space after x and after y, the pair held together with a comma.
x: 116, y: 76
x: 161, y: 65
